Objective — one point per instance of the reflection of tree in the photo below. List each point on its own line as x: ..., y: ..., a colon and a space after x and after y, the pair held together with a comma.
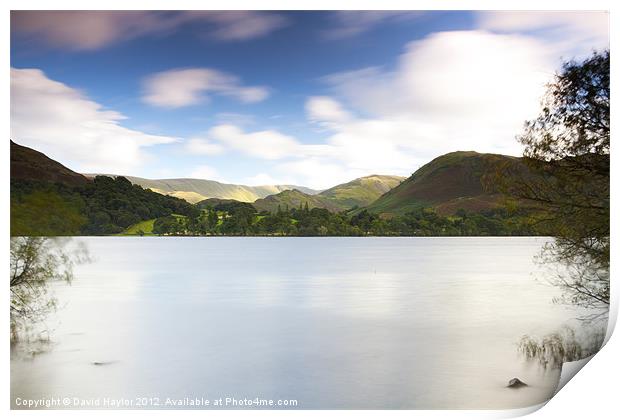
x: 563, y: 346
x: 567, y: 146
x: 35, y: 262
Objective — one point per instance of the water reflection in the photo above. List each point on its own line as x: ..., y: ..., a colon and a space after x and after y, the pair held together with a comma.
x: 332, y: 322
x: 36, y: 264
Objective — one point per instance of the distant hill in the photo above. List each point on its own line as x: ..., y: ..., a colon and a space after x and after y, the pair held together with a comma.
x: 294, y: 199
x: 196, y: 190
x: 30, y: 165
x: 361, y: 191
x: 214, y: 202
x: 448, y: 183
x: 357, y: 193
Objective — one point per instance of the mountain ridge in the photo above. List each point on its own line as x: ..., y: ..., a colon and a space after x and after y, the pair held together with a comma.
x: 53, y: 200
x: 195, y: 190
x: 359, y: 192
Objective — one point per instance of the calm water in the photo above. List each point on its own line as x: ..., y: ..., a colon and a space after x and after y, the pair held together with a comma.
x: 330, y: 322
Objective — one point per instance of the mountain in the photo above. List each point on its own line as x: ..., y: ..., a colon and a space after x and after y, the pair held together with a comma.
x: 30, y: 165
x: 361, y: 191
x: 453, y: 181
x: 295, y: 199
x: 196, y: 190
x: 49, y: 199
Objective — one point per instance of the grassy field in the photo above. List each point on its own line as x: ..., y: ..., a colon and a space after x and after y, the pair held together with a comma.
x: 146, y: 226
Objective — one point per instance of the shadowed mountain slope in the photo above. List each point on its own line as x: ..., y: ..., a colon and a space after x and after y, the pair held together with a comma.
x: 458, y: 180
x: 30, y: 165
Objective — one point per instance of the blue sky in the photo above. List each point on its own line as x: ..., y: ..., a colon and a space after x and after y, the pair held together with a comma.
x: 309, y: 98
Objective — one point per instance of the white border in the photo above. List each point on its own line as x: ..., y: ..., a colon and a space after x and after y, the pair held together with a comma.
x: 593, y: 395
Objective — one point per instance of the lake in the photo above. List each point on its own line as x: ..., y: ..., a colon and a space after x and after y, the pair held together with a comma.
x: 352, y: 323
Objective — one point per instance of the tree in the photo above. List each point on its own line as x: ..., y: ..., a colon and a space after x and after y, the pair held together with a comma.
x: 363, y: 220
x: 212, y: 219
x: 574, y: 120
x: 567, y: 150
x: 34, y: 263
x: 167, y: 225
x: 569, y: 144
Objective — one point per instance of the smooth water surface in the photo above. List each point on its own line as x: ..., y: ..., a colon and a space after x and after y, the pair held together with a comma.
x: 330, y: 322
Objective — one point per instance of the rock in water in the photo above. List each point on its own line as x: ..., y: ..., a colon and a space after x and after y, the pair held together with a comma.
x: 98, y: 363
x: 516, y: 383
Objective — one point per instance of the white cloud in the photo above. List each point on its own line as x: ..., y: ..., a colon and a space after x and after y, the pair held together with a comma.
x: 460, y: 90
x: 318, y: 173
x: 465, y: 90
x: 350, y: 23
x: 240, y: 25
x: 204, y: 172
x: 450, y: 91
x: 200, y: 146
x: 248, y: 94
x: 570, y: 32
x: 357, y: 147
x: 463, y: 71
x: 85, y: 30
x: 63, y: 123
x: 184, y: 87
x: 267, y: 144
x: 262, y: 179
x: 91, y: 30
x: 325, y: 109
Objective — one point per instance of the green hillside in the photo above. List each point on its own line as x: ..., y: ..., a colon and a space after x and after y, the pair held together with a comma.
x: 361, y: 191
x: 357, y: 193
x: 144, y: 227
x: 296, y: 199
x: 458, y: 180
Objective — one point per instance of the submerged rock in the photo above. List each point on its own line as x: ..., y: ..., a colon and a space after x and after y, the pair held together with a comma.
x: 97, y: 363
x: 516, y: 383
